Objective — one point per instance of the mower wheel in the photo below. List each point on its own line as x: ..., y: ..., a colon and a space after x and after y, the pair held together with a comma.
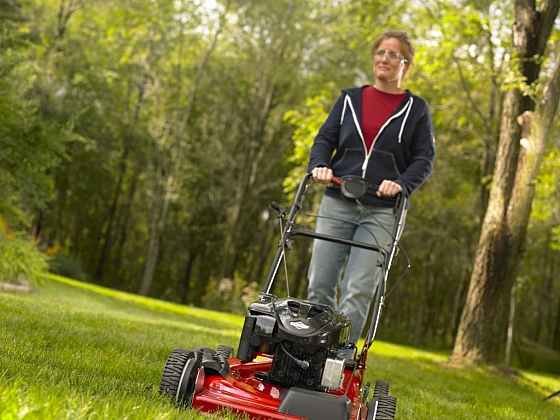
x: 382, y: 408
x: 181, y: 376
x: 225, y: 351
x: 381, y: 388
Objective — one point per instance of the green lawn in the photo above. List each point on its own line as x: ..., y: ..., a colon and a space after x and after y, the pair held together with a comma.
x: 77, y: 351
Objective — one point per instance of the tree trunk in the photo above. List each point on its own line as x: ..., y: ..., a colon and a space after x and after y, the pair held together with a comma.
x: 427, y: 281
x: 483, y: 325
x: 510, y: 330
x: 545, y: 310
x: 556, y: 338
x: 187, y: 275
x: 481, y: 321
x: 156, y: 230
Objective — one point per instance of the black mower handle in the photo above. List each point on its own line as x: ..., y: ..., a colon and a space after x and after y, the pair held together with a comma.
x: 353, y: 187
x: 357, y: 187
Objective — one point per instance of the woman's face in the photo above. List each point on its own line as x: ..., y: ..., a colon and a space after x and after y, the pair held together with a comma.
x: 390, y: 66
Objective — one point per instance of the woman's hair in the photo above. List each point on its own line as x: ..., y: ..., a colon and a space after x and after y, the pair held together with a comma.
x: 406, y: 44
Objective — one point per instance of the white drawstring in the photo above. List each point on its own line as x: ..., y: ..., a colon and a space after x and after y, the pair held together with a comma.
x: 405, y: 118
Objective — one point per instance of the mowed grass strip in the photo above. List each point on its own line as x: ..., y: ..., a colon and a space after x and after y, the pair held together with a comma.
x: 77, y: 351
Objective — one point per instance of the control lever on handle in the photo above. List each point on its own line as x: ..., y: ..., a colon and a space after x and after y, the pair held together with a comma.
x: 278, y: 208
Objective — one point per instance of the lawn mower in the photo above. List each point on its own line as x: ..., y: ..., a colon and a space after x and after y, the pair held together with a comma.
x: 290, y: 362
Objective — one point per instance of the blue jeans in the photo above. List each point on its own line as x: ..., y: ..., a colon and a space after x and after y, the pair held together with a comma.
x: 358, y: 269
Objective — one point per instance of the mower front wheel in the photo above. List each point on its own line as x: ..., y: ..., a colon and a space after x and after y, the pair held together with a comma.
x: 382, y: 408
x: 182, y: 376
x: 381, y: 389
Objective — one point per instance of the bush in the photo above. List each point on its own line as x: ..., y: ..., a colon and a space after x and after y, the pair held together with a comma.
x: 67, y: 266
x: 20, y: 260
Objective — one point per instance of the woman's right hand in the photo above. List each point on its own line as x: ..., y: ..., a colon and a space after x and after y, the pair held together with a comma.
x: 323, y: 175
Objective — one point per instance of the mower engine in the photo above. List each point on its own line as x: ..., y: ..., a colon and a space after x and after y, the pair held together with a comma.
x: 303, y: 337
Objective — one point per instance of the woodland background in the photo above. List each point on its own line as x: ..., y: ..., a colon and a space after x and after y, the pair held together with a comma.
x: 142, y: 141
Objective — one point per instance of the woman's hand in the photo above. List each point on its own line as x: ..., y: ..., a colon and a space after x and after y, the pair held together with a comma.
x: 322, y: 175
x: 388, y: 189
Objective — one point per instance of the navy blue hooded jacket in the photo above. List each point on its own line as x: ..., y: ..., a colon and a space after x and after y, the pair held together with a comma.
x: 403, y: 151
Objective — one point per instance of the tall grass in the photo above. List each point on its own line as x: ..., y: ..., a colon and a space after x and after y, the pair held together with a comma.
x: 77, y: 351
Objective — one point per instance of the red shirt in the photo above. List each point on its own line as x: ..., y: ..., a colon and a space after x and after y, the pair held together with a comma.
x: 377, y: 107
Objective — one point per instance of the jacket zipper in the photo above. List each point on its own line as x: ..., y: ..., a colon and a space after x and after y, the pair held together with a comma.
x: 368, y: 154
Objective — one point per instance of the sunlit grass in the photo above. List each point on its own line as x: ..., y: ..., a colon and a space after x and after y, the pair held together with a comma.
x: 81, y: 352
x: 427, y: 387
x: 78, y: 351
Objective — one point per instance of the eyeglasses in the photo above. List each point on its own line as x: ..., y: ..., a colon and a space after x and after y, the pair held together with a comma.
x: 391, y: 55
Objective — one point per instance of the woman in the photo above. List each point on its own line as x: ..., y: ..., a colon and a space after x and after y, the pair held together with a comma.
x: 382, y: 133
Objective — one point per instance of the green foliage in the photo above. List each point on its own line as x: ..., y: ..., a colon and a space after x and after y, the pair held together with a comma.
x: 555, y: 245
x: 306, y: 124
x: 544, y: 208
x: 30, y: 144
x: 20, y: 260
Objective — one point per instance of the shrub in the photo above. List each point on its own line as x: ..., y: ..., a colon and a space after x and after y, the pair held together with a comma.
x: 67, y: 266
x: 20, y: 260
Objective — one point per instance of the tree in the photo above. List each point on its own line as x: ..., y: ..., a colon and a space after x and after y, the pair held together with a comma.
x: 482, y: 329
x: 178, y: 132
x: 30, y: 145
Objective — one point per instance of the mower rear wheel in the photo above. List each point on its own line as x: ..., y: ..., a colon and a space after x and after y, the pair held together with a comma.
x: 180, y: 376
